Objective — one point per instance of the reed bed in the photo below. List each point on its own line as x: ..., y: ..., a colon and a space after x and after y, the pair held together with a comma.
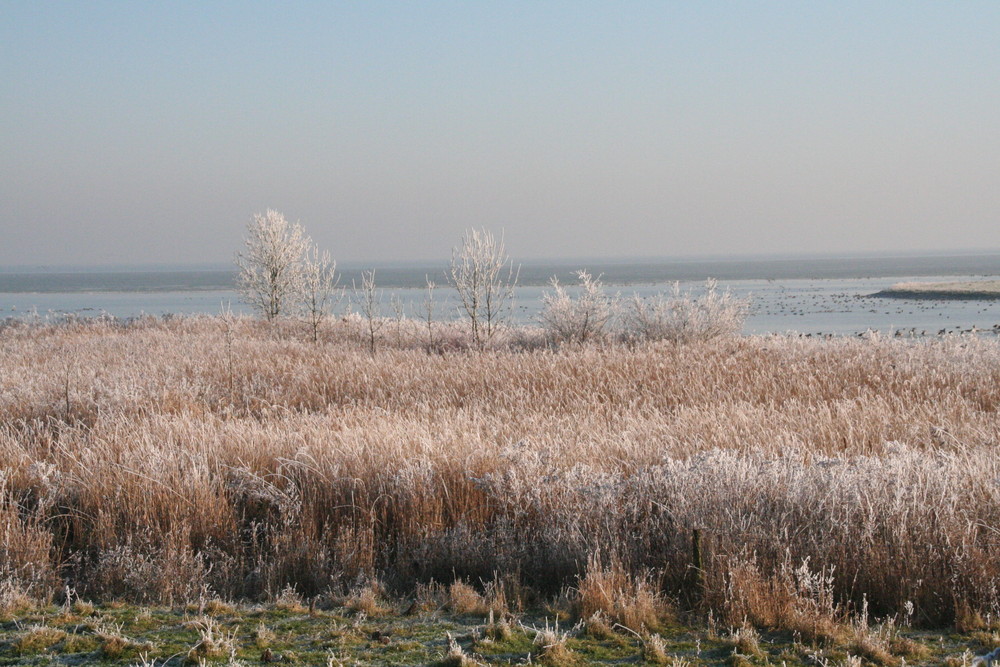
x: 170, y: 460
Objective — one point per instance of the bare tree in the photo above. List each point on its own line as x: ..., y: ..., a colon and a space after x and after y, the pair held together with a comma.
x: 484, y: 277
x: 319, y: 288
x: 271, y: 275
x: 399, y: 315
x: 428, y: 313
x: 370, y: 300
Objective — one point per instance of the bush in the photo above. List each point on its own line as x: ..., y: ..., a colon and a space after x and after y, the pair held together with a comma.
x: 579, y: 320
x: 682, y: 317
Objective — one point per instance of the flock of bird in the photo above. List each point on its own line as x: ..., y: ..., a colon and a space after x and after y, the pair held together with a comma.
x: 805, y: 309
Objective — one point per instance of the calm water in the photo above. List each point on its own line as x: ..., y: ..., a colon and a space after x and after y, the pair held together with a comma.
x: 807, y: 295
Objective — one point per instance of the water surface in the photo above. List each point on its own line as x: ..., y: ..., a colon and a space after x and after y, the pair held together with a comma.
x: 810, y: 295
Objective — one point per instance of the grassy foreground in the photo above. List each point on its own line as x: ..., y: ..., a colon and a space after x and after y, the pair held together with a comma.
x: 826, y: 491
x: 286, y: 632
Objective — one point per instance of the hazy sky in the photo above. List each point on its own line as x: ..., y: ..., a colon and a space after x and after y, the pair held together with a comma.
x: 140, y: 132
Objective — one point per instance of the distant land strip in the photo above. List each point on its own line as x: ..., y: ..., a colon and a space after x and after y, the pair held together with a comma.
x: 977, y: 289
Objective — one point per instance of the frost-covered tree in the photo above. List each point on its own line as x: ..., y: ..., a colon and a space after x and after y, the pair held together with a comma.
x: 484, y: 277
x: 428, y: 312
x: 319, y: 288
x: 369, y: 299
x: 272, y: 264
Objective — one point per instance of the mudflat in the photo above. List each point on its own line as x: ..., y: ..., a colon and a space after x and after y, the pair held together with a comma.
x: 972, y: 289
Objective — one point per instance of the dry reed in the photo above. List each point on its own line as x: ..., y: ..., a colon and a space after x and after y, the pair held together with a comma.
x: 181, y: 459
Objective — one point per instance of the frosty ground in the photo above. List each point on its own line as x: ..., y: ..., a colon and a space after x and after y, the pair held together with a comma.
x: 844, y: 492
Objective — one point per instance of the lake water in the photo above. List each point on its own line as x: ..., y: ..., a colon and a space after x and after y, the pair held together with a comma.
x: 815, y: 295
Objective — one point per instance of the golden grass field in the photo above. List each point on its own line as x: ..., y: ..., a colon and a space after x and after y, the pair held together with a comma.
x: 177, y: 460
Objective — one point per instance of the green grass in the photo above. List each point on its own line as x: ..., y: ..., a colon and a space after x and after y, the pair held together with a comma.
x: 254, y: 635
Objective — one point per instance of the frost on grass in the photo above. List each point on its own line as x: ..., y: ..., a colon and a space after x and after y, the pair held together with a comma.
x: 162, y: 461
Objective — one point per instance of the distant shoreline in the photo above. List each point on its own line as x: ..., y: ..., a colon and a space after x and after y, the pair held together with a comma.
x: 536, y: 273
x: 979, y: 289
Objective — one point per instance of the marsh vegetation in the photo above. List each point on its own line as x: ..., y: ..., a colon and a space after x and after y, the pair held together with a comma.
x: 173, y: 461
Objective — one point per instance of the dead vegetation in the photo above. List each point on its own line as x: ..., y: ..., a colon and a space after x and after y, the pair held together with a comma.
x: 172, y: 461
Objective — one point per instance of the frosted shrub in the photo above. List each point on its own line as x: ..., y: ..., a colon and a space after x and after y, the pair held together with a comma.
x: 579, y: 320
x: 683, y: 317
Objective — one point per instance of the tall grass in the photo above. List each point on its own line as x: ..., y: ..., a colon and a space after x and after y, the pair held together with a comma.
x: 170, y: 460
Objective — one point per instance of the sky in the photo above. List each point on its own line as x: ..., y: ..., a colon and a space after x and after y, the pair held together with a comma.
x: 136, y: 133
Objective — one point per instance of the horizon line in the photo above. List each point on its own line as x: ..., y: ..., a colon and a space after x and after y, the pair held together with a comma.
x: 166, y: 267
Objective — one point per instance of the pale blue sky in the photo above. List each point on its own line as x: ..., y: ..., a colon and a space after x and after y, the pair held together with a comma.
x: 149, y: 132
